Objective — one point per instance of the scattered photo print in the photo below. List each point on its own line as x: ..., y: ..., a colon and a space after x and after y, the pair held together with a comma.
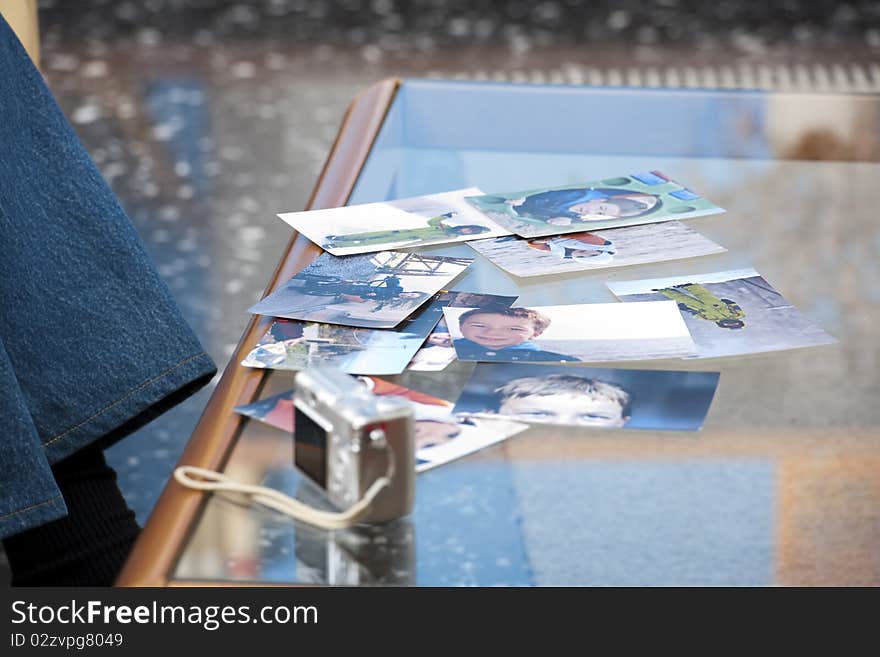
x: 616, y: 247
x: 276, y: 411
x: 594, y: 332
x: 438, y: 352
x: 590, y: 397
x: 294, y: 345
x: 440, y: 436
x: 640, y: 198
x: 729, y: 313
x: 419, y: 221
x: 371, y: 291
x: 445, y: 440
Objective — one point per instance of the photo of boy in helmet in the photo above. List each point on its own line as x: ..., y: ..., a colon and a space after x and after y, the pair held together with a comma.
x: 609, y: 203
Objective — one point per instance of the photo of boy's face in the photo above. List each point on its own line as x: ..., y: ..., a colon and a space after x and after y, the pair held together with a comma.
x: 584, y: 254
x: 588, y: 397
x: 439, y: 340
x: 495, y: 331
x: 569, y: 408
x: 602, y: 207
x: 430, y: 433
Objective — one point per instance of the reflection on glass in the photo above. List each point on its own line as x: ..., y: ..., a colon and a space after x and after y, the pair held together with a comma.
x: 237, y: 542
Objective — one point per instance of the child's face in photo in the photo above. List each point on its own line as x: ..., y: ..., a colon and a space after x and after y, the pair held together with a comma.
x: 597, y: 206
x: 497, y: 331
x: 440, y: 340
x: 430, y: 433
x: 568, y: 408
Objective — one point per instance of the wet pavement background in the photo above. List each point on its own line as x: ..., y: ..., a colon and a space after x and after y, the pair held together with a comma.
x: 208, y: 117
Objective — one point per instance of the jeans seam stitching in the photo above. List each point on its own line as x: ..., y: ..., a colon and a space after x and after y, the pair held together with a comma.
x: 29, y: 508
x: 123, y: 398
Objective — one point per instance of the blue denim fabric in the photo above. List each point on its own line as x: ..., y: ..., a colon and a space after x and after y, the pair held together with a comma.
x: 92, y: 345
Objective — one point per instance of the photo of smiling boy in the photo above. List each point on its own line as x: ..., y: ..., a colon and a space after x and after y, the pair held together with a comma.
x: 579, y: 333
x: 490, y: 330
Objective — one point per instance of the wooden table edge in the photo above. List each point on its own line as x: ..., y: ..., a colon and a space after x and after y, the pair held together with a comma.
x: 159, y: 546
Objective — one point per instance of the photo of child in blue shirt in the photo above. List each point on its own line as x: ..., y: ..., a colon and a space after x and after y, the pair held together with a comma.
x: 494, y: 333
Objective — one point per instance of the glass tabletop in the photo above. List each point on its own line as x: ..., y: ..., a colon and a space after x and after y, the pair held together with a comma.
x: 781, y: 487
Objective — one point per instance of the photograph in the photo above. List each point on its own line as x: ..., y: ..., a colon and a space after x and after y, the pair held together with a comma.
x: 295, y: 345
x: 592, y: 332
x: 590, y: 397
x: 631, y: 200
x: 440, y: 441
x: 276, y: 411
x: 440, y: 437
x: 615, y: 247
x: 417, y: 221
x: 729, y: 313
x: 378, y: 290
x: 438, y: 352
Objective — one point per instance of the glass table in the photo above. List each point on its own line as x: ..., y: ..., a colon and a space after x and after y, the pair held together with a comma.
x: 781, y: 487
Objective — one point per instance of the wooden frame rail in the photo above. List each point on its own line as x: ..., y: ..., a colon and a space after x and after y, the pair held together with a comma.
x: 164, y: 536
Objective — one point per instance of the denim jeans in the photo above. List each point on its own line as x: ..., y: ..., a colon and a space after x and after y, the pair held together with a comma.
x: 92, y: 345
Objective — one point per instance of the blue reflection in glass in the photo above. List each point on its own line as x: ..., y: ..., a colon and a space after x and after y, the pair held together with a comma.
x: 447, y: 135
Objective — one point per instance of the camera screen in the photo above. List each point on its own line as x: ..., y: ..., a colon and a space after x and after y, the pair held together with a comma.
x: 310, y: 447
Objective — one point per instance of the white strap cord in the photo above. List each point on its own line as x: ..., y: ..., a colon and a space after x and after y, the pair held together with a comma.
x: 209, y: 480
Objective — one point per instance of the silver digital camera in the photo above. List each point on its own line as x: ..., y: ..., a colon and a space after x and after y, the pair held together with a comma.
x: 345, y: 438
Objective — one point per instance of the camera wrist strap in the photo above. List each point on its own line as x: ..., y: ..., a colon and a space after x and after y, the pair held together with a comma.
x: 210, y: 480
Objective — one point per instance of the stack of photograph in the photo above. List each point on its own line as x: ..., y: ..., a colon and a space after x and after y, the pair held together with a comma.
x: 443, y: 300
